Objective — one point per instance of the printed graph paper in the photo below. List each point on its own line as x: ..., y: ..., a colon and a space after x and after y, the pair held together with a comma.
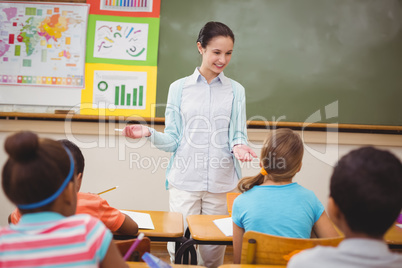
x: 127, y: 5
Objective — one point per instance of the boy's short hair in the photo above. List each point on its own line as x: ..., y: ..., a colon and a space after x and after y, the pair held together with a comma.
x: 367, y: 187
x: 77, y: 154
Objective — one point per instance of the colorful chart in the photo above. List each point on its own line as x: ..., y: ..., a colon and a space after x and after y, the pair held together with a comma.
x: 122, y: 40
x: 126, y: 8
x: 43, y: 44
x: 127, y: 5
x: 117, y: 40
x: 119, y: 90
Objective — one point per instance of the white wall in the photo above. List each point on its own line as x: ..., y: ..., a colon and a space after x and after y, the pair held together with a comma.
x: 138, y: 168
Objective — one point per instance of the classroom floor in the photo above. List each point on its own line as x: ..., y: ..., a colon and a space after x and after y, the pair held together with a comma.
x: 159, y: 250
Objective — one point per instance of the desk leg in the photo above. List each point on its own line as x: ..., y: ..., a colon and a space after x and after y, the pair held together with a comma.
x: 183, y: 252
x: 187, y: 233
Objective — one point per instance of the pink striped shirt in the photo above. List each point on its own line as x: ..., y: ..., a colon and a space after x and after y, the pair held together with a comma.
x: 48, y: 239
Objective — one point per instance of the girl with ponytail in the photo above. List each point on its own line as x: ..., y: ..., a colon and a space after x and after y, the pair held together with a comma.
x: 271, y: 202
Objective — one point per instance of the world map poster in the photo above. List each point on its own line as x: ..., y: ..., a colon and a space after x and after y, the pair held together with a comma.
x: 43, y: 44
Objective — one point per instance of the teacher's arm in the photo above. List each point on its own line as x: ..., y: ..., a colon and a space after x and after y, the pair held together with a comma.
x: 168, y: 140
x: 239, y: 143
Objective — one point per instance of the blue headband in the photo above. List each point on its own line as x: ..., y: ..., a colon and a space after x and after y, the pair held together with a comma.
x: 58, y: 192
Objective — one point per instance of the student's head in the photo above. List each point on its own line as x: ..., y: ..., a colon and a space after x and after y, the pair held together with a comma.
x: 39, y: 174
x: 281, y: 157
x: 215, y: 43
x: 78, y: 158
x: 365, y: 191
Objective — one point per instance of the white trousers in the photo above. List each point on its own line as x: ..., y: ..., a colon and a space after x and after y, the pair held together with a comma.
x: 199, y: 203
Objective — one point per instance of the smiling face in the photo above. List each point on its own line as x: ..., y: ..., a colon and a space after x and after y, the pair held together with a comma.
x: 215, y: 56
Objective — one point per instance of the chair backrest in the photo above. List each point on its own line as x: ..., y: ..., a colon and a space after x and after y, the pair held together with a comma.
x: 143, y: 246
x: 230, y: 197
x: 260, y: 248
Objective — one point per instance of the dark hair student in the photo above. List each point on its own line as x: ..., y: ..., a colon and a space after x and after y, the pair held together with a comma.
x: 35, y: 170
x: 39, y: 178
x: 367, y: 186
x: 365, y: 200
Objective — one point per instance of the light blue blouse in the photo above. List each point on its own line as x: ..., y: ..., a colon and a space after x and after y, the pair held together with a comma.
x: 177, y: 124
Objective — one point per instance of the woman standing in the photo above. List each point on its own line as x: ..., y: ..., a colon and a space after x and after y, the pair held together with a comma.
x: 205, y: 128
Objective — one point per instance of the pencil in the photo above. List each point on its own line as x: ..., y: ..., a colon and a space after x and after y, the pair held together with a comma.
x: 133, y: 246
x: 107, y: 190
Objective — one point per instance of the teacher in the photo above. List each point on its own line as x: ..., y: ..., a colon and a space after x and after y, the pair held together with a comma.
x: 205, y: 128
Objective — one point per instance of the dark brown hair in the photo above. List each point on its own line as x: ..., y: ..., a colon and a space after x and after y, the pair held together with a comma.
x: 281, y: 157
x: 213, y: 29
x: 35, y: 169
x: 77, y: 154
x: 367, y: 187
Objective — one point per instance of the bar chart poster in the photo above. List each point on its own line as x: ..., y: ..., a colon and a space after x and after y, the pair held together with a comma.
x: 42, y: 44
x: 119, y: 90
x: 122, y: 40
x: 128, y: 8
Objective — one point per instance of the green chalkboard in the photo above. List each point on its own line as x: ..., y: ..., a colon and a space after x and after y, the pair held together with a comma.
x: 320, y: 61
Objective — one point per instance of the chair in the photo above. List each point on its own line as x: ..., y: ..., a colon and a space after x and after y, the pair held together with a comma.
x: 143, y: 246
x: 230, y: 197
x: 260, y: 248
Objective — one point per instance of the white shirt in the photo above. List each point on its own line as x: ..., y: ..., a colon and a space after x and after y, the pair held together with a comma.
x: 203, y: 160
x: 351, y: 253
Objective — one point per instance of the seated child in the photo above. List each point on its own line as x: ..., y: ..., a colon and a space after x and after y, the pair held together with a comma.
x: 93, y: 204
x: 365, y: 200
x: 39, y: 179
x: 271, y: 203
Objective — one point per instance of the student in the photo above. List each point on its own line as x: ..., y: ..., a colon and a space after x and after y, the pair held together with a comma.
x: 205, y: 128
x: 271, y: 203
x: 365, y: 200
x: 93, y: 204
x: 39, y: 179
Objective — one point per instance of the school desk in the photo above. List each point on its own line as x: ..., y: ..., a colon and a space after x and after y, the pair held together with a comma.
x: 168, y: 227
x: 143, y: 265
x: 203, y: 231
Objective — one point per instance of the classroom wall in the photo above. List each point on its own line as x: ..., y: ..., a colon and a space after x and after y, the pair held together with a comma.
x: 138, y: 168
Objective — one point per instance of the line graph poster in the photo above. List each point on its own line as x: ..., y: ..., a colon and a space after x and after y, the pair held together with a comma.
x: 119, y: 90
x: 42, y: 44
x: 123, y: 40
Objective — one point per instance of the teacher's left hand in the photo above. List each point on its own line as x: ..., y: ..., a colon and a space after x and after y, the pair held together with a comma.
x: 243, y: 153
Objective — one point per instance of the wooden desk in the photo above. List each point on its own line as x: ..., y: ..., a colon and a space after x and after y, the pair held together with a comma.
x: 144, y: 265
x: 202, y: 228
x: 393, y: 237
x: 168, y: 227
x: 203, y: 231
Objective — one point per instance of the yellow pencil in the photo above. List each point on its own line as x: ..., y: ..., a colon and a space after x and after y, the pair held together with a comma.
x: 107, y: 190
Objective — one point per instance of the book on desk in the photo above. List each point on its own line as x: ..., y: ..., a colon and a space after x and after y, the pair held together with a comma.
x: 143, y: 220
x: 225, y: 225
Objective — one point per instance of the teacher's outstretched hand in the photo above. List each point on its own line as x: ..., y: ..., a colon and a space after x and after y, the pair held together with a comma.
x: 136, y: 131
x: 243, y: 153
